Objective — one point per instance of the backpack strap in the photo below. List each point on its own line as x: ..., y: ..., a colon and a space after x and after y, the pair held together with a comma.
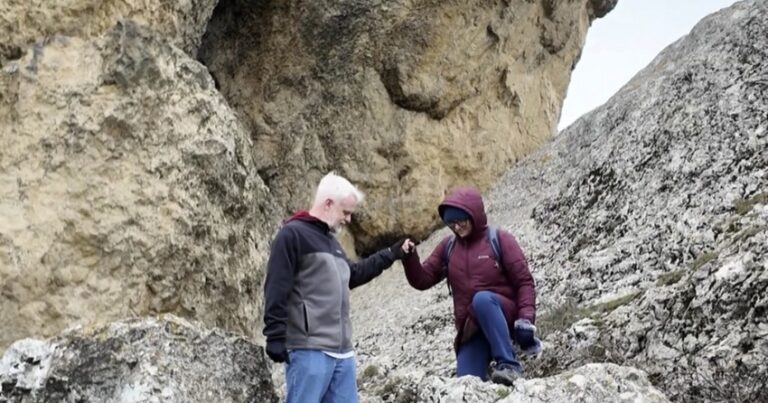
x: 493, y: 237
x: 446, y: 255
x: 448, y: 249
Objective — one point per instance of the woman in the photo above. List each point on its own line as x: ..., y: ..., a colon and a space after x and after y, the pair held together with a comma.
x: 488, y: 295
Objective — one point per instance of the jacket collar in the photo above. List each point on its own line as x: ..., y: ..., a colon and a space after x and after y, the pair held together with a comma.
x: 303, y: 215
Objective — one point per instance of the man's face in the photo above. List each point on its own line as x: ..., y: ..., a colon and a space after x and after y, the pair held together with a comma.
x: 340, y: 212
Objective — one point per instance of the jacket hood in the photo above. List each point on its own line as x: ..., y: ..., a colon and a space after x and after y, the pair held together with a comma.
x: 467, y: 198
x: 303, y: 215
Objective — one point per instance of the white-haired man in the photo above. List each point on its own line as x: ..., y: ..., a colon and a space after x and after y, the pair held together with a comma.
x: 306, y: 295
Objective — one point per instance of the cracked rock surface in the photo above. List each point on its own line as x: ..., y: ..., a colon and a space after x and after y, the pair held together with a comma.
x: 157, y: 359
x: 405, y: 98
x: 127, y: 188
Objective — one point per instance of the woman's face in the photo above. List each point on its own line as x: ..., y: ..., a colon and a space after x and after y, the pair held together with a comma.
x: 462, y: 228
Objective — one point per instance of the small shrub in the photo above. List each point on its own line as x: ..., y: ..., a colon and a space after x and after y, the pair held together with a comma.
x: 370, y: 371
x: 744, y: 206
x: 749, y: 233
x: 670, y: 278
x: 390, y: 388
x: 502, y: 393
x: 736, y: 384
x: 610, y: 306
x: 702, y: 260
x: 560, y: 318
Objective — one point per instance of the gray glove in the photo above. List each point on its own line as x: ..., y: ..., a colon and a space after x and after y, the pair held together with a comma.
x: 524, y: 334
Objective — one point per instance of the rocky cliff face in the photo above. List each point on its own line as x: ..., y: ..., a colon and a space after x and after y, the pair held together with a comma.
x: 22, y: 23
x: 648, y: 218
x: 128, y: 188
x: 645, y: 223
x: 405, y: 98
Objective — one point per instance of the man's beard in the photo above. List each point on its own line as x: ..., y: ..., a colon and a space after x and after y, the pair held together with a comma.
x: 337, y: 230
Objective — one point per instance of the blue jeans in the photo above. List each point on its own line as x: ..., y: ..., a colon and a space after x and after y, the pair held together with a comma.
x: 491, y: 344
x: 315, y: 377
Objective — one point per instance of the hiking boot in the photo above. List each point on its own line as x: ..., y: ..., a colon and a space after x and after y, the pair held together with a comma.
x: 505, y: 374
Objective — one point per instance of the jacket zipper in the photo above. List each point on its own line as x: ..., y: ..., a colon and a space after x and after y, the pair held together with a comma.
x: 341, y: 300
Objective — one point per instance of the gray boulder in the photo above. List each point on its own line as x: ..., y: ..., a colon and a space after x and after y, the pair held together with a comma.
x: 164, y: 359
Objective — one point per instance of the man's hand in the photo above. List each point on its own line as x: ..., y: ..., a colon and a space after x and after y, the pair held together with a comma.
x: 402, y: 248
x: 525, y: 333
x: 277, y: 352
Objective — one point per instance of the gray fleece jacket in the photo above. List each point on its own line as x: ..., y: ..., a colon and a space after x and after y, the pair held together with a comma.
x: 306, y: 292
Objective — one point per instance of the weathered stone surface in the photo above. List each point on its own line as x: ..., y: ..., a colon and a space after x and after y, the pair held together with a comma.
x: 589, y: 383
x: 645, y: 222
x: 649, y: 217
x: 164, y: 359
x: 404, y: 380
x: 24, y: 22
x: 127, y: 187
x: 405, y: 98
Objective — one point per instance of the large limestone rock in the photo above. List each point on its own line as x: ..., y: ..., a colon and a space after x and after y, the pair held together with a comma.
x: 405, y: 98
x: 24, y: 22
x: 127, y: 187
x: 164, y: 359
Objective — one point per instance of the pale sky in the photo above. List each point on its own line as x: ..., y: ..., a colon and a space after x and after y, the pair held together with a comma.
x: 623, y: 42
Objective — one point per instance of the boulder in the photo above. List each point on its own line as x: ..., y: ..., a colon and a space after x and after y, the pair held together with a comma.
x: 154, y: 359
x: 128, y: 188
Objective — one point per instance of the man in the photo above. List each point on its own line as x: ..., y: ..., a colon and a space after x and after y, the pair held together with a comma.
x: 494, y: 295
x: 306, y: 296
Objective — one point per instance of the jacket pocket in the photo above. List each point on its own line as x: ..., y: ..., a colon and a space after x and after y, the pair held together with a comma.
x: 306, y: 319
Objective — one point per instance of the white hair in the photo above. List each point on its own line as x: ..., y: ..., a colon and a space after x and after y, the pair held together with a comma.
x: 335, y: 187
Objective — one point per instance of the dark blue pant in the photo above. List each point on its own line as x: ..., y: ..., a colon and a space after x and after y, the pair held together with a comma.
x: 492, y: 343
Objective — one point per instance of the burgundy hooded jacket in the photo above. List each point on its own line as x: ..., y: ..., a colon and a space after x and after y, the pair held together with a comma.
x: 473, y: 268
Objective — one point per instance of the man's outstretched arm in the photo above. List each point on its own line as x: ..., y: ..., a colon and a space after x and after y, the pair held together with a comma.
x: 369, y: 268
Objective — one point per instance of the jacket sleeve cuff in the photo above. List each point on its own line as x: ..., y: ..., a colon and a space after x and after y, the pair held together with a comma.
x: 524, y: 324
x: 527, y: 315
